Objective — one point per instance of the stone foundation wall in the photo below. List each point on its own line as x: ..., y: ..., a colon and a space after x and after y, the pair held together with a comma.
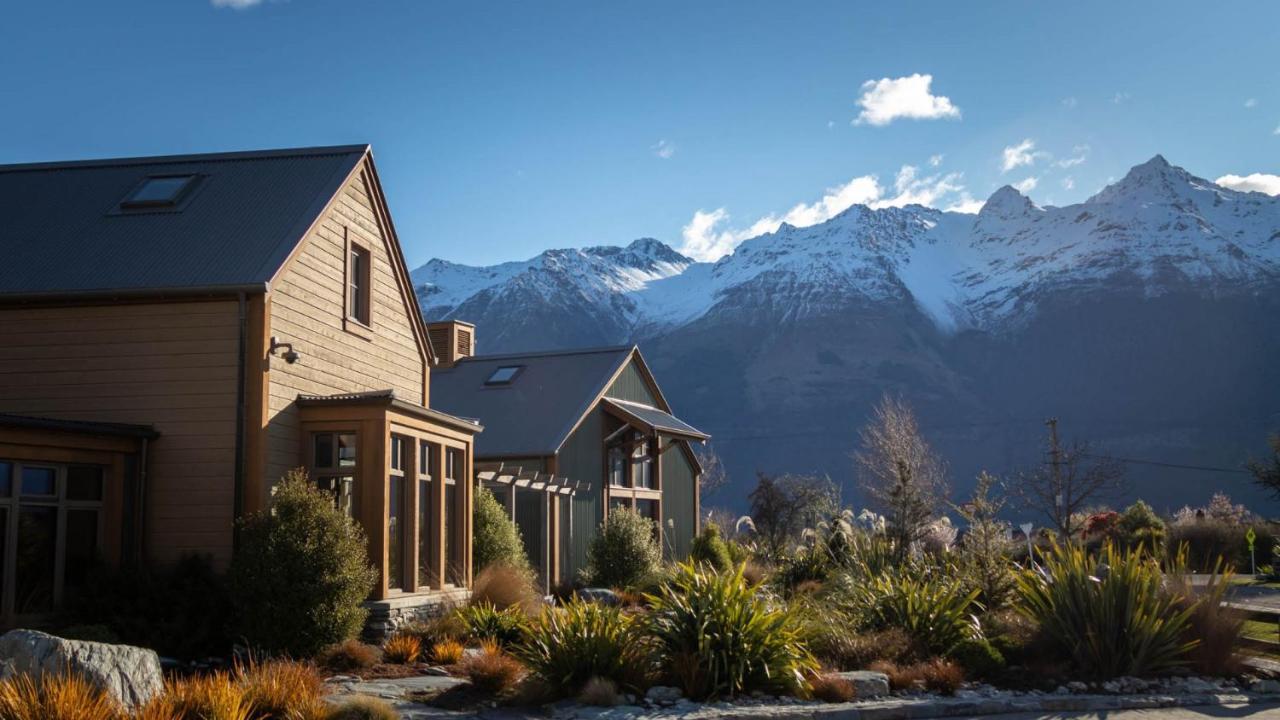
x: 388, y: 616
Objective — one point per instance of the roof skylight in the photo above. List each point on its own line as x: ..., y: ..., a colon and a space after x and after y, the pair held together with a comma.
x: 504, y: 375
x: 159, y: 191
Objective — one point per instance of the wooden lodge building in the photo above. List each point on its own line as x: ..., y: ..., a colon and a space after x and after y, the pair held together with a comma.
x: 178, y: 333
x: 568, y: 436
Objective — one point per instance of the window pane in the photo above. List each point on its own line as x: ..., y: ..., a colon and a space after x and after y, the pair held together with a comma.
x: 424, y: 458
x: 342, y: 488
x: 453, y: 550
x: 347, y: 450
x: 397, y: 452
x: 324, y: 450
x: 39, y: 481
x: 81, y: 547
x: 4, y: 541
x: 395, y: 534
x: 159, y: 190
x: 6, y: 481
x: 84, y: 482
x: 503, y: 375
x: 37, y: 538
x: 426, y: 532
x: 451, y: 465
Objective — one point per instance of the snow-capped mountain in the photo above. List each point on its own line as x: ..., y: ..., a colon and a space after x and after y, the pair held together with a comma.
x: 1159, y: 227
x: 1144, y: 318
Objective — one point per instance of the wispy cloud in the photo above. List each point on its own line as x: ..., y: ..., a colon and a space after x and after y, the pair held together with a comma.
x: 1256, y: 182
x: 1251, y: 103
x: 663, y: 149
x: 1068, y: 183
x: 1024, y: 153
x: 1070, y: 103
x: 710, y: 234
x: 888, y: 99
x: 1121, y: 97
x: 1079, y: 154
x: 1027, y: 185
x: 236, y: 4
x: 935, y: 160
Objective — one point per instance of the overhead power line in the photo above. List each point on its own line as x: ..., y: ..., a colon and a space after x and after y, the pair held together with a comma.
x: 1157, y: 463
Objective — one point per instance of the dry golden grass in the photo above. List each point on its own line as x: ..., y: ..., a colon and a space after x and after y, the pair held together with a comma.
x: 348, y: 655
x: 447, y: 652
x: 57, y: 697
x: 601, y: 692
x: 402, y: 649
x: 832, y: 689
x: 205, y: 697
x: 942, y: 676
x: 493, y: 671
x: 505, y: 586
x: 901, y: 677
x: 363, y: 708
x: 282, y: 689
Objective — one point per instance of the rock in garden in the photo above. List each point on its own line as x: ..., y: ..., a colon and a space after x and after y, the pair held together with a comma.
x: 129, y: 674
x: 866, y: 683
x: 663, y: 695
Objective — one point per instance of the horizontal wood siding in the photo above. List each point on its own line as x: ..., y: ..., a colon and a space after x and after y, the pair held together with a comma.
x: 582, y: 458
x: 679, y: 501
x: 307, y: 309
x: 631, y: 385
x: 171, y: 365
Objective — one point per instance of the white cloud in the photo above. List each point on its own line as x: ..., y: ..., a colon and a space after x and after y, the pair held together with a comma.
x: 888, y: 99
x: 831, y: 124
x: 236, y: 4
x: 709, y: 235
x: 1079, y: 154
x: 1276, y: 131
x: 1256, y: 182
x: 1027, y: 185
x: 1120, y: 97
x: 935, y: 160
x: 663, y: 149
x: 1251, y: 103
x: 1068, y: 183
x: 1070, y: 102
x: 1024, y: 153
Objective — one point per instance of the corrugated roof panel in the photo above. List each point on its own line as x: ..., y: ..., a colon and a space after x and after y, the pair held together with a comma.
x: 63, y: 231
x: 658, y: 419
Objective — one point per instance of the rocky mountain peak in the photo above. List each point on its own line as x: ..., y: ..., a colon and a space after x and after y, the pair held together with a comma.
x: 1007, y: 204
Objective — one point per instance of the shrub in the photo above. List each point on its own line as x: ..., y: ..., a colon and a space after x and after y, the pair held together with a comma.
x: 56, y: 697
x: 624, y: 550
x: 568, y: 646
x: 1122, y: 624
x: 941, y: 675
x: 203, y: 697
x: 182, y: 611
x: 934, y: 612
x: 710, y: 550
x: 978, y: 657
x: 486, y: 622
x: 843, y: 646
x: 831, y: 688
x: 717, y: 637
x: 492, y: 671
x: 282, y: 689
x: 362, y: 707
x: 1213, y: 627
x: 402, y: 649
x: 495, y: 538
x: 600, y: 692
x: 348, y: 655
x: 504, y: 586
x: 448, y: 626
x: 1140, y: 527
x: 447, y: 652
x: 301, y: 572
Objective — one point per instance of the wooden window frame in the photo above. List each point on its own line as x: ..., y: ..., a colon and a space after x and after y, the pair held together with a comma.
x: 317, y: 473
x: 352, y: 322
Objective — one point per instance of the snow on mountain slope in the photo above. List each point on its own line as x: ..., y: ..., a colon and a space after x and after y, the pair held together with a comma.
x: 1160, y: 228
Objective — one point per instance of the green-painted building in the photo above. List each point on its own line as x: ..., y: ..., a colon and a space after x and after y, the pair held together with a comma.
x: 570, y: 435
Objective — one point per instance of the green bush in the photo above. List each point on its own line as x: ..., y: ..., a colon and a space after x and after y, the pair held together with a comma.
x: 978, y: 658
x: 568, y: 646
x: 1140, y: 527
x: 1123, y: 623
x: 624, y: 550
x: 936, y: 612
x: 717, y: 637
x: 301, y: 572
x: 182, y: 611
x: 495, y: 539
x: 710, y: 550
x: 484, y: 621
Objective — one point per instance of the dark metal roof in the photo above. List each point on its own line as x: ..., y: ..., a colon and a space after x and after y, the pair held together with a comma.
x: 387, y: 398
x: 64, y: 234
x: 659, y: 420
x: 534, y: 414
x: 79, y: 426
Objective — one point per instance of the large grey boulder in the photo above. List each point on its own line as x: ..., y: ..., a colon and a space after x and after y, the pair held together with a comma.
x: 866, y: 683
x: 129, y: 674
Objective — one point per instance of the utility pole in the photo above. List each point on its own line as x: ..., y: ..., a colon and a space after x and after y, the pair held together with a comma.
x: 1055, y: 475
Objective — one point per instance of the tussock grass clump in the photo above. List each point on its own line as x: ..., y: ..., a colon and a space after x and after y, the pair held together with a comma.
x: 362, y: 707
x: 281, y: 689
x: 204, y: 697
x: 571, y: 645
x: 56, y: 697
x: 831, y: 689
x: 600, y: 692
x: 484, y: 621
x: 347, y: 656
x: 504, y: 585
x: 402, y: 649
x: 447, y: 652
x: 492, y: 671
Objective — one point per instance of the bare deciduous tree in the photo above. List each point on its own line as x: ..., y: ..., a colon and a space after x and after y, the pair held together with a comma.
x: 1267, y: 474
x: 783, y: 506
x: 903, y: 477
x: 714, y: 476
x: 1070, y: 480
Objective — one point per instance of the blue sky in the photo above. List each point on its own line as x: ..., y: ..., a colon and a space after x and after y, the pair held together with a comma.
x: 502, y: 129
